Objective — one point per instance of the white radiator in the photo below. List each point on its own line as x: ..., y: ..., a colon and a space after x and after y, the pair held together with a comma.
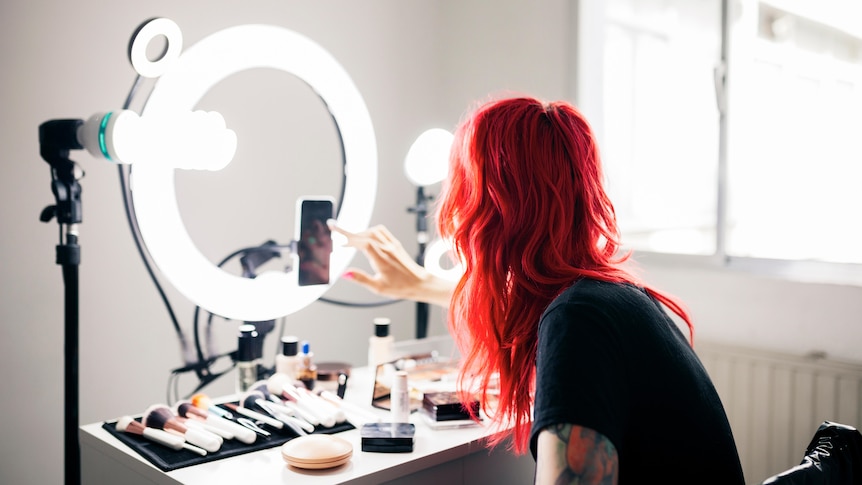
x: 776, y: 401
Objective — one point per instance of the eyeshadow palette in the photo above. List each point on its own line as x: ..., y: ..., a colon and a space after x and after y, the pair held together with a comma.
x: 447, y: 406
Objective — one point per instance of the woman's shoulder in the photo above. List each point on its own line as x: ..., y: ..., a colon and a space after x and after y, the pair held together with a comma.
x: 597, y: 299
x: 590, y: 290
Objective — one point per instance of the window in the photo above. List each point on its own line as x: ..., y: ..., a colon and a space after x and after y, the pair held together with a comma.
x: 660, y: 132
x: 764, y: 167
x: 795, y: 165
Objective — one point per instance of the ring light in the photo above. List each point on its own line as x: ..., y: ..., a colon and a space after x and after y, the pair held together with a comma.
x: 272, y: 294
x: 141, y: 40
x: 427, y: 161
x: 436, y: 251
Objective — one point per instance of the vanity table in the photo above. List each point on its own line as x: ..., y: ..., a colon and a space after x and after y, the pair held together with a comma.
x: 440, y: 456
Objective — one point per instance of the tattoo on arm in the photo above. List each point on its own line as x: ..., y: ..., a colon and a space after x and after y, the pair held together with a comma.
x: 591, y: 458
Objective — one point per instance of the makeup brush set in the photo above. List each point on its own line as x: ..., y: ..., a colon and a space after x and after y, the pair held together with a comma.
x: 198, y: 430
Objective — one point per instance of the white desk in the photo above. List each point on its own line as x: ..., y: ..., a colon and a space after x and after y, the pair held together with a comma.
x: 449, y: 456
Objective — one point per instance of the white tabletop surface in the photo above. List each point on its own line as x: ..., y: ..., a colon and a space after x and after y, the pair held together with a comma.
x: 432, y: 447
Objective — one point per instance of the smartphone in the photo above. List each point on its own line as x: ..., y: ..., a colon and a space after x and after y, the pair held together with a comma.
x: 314, y: 239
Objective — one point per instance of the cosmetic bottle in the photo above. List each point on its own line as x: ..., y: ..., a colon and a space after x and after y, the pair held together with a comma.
x: 381, y: 344
x: 400, y: 398
x: 287, y: 362
x: 307, y: 371
x: 247, y: 361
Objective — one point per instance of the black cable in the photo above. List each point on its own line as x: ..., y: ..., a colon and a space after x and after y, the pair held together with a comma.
x: 202, y: 367
x: 171, y: 379
x: 282, y: 323
x: 239, y: 252
x: 136, y: 235
x: 132, y: 91
x: 204, y: 374
x: 144, y: 256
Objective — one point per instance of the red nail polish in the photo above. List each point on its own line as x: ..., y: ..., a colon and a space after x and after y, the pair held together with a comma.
x: 348, y: 275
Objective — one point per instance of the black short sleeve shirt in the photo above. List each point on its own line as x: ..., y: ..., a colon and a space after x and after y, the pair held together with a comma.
x: 612, y: 360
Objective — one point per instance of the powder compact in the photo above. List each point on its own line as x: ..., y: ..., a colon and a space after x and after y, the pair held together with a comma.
x: 388, y: 437
x: 317, y: 451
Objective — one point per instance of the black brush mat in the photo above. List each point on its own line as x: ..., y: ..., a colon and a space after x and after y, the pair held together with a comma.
x: 167, y: 459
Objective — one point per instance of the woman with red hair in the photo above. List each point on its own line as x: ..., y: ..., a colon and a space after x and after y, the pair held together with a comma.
x: 587, y: 368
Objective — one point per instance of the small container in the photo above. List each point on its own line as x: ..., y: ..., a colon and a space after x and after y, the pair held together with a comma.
x: 381, y: 344
x: 247, y: 361
x: 317, y: 451
x: 400, y: 398
x: 447, y: 406
x: 387, y: 437
x: 307, y: 371
x: 287, y: 362
x: 328, y: 375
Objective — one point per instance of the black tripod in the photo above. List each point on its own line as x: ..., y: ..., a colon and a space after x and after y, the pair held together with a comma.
x: 56, y: 138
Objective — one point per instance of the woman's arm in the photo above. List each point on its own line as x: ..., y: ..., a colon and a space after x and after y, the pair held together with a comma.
x: 397, y: 274
x: 570, y: 454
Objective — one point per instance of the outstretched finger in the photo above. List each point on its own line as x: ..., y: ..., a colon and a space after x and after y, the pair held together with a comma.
x: 357, y: 240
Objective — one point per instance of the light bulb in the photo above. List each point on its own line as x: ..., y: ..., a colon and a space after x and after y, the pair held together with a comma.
x: 427, y: 161
x: 190, y: 140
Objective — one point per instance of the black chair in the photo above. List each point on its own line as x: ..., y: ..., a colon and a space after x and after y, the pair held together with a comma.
x: 833, y: 457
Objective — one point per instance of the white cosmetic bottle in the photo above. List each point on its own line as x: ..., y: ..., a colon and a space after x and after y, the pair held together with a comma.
x: 287, y: 362
x: 400, y: 398
x: 381, y: 344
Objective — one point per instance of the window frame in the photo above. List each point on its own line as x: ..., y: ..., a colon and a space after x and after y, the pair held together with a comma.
x: 588, y: 23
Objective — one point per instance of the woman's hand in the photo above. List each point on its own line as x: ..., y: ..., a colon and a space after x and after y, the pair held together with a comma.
x: 396, y: 273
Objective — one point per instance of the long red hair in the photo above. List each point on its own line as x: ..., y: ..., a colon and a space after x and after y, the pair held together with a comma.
x: 525, y: 207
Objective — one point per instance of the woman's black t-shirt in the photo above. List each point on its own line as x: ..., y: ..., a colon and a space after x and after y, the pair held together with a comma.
x: 612, y: 360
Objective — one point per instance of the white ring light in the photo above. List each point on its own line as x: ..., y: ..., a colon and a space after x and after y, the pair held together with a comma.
x: 149, y: 31
x: 273, y: 294
x: 438, y: 249
x: 427, y: 161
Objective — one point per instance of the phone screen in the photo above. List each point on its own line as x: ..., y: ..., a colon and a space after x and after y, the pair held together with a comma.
x: 315, y: 241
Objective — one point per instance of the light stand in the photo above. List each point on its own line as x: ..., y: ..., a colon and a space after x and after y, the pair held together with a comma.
x: 56, y: 138
x: 421, y: 211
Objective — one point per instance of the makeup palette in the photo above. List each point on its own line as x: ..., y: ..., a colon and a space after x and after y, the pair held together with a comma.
x: 388, y: 437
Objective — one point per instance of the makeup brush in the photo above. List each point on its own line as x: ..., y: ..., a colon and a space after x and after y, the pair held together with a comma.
x: 318, y: 402
x: 202, y: 401
x: 291, y: 408
x: 359, y: 414
x: 198, y: 424
x: 261, y: 387
x: 160, y: 416
x: 250, y: 413
x: 128, y: 425
x: 241, y: 433
x: 256, y: 399
x: 281, y: 385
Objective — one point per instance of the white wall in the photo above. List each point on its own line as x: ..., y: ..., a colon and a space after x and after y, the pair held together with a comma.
x: 68, y: 60
x: 418, y: 64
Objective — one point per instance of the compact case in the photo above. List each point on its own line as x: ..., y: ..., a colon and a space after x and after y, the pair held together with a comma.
x: 447, y: 406
x: 388, y: 437
x: 316, y: 451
